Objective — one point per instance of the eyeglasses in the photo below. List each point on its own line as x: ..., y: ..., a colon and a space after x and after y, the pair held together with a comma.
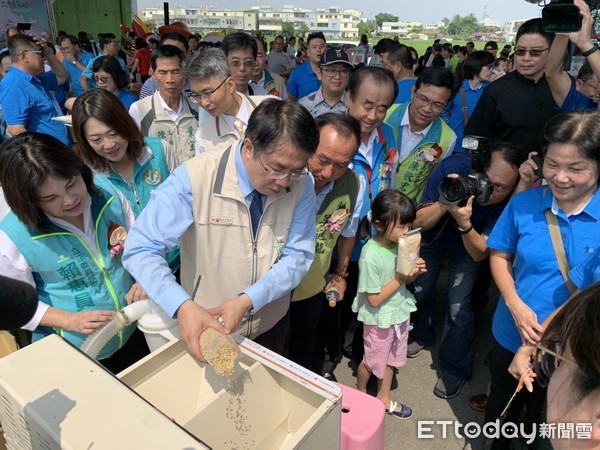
x: 102, y: 80
x: 533, y: 52
x: 293, y: 175
x: 207, y: 95
x: 426, y: 101
x: 236, y: 64
x: 593, y: 86
x: 336, y: 72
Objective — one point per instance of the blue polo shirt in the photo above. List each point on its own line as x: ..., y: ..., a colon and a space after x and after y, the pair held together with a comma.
x: 29, y: 101
x: 303, y: 81
x: 587, y: 273
x: 453, y: 114
x: 522, y: 231
x: 576, y: 101
x: 444, y: 234
x: 127, y: 98
x: 75, y: 73
x: 405, y: 88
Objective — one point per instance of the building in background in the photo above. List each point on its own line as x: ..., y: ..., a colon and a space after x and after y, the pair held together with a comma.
x: 333, y: 22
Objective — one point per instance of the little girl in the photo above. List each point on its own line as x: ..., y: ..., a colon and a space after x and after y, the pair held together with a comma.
x: 383, y: 303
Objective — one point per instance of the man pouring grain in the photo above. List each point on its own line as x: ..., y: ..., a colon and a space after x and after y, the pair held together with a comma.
x: 245, y: 219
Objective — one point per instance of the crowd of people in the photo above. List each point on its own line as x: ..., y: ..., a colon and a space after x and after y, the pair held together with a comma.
x: 266, y: 193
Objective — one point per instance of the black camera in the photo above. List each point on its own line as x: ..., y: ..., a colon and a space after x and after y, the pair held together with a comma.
x: 561, y: 16
x: 456, y: 190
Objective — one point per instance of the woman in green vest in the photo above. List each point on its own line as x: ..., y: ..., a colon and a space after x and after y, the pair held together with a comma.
x: 65, y: 235
x: 111, y: 143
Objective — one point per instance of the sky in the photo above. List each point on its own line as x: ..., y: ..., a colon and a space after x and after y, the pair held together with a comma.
x: 424, y: 11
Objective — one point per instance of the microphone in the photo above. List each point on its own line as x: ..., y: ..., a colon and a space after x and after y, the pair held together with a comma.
x: 18, y: 303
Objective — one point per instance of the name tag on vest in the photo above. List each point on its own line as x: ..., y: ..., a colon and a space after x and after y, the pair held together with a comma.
x: 221, y: 220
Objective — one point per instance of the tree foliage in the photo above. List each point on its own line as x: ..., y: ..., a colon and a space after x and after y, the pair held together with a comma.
x: 385, y: 17
x: 366, y: 28
x: 287, y: 29
x: 463, y: 25
x: 303, y: 30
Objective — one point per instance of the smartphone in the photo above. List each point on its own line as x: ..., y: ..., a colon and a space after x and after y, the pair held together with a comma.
x: 539, y: 162
x: 561, y: 17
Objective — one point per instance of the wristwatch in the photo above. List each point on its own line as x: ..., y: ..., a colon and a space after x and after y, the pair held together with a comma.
x: 75, y: 62
x: 590, y: 51
x: 466, y: 230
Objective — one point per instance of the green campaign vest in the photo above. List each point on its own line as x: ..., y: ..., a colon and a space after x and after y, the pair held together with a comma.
x: 341, y: 199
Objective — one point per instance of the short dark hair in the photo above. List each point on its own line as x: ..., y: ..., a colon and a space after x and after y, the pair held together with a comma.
x: 400, y: 53
x: 105, y: 107
x: 379, y: 75
x: 72, y: 39
x: 316, y: 35
x: 585, y: 73
x: 388, y: 208
x: 534, y: 26
x: 239, y: 41
x: 475, y: 62
x: 174, y: 36
x: 4, y: 54
x: 18, y: 43
x: 167, y: 51
x: 470, y: 43
x: 384, y: 45
x: 105, y: 38
x: 343, y: 124
x: 580, y: 129
x: 26, y: 161
x: 275, y: 121
x: 110, y: 65
x: 511, y: 153
x: 436, y: 76
x: 140, y: 43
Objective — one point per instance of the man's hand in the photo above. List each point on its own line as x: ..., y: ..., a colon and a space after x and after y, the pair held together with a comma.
x: 232, y: 311
x: 337, y: 282
x: 462, y: 214
x: 193, y: 320
x: 583, y: 37
x: 135, y: 294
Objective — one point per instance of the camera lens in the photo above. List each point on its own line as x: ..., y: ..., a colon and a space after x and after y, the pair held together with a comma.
x: 453, y: 190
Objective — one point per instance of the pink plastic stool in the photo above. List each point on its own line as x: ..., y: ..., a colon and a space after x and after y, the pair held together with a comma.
x: 362, y: 421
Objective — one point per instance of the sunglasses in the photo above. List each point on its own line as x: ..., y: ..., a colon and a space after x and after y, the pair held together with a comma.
x: 533, y: 52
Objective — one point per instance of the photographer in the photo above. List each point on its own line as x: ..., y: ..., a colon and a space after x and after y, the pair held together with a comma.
x: 457, y: 233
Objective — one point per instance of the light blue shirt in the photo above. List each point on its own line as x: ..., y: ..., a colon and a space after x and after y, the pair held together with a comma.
x: 169, y: 214
x: 75, y: 73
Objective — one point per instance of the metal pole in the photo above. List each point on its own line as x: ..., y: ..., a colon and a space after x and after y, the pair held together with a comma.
x: 166, y: 12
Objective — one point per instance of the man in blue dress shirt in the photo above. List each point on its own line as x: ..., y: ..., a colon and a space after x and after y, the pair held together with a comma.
x: 246, y: 223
